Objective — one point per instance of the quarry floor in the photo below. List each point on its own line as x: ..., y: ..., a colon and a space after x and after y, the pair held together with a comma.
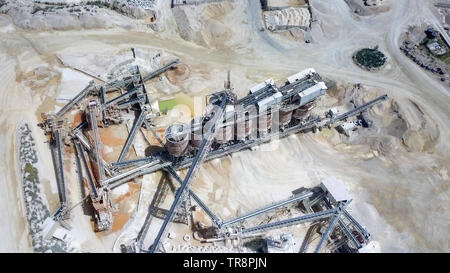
x: 402, y: 196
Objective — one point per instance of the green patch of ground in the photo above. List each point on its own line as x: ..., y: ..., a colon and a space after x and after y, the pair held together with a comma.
x: 327, y: 133
x: 166, y: 105
x: 99, y: 4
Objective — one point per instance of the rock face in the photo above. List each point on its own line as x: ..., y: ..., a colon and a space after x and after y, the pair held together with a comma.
x: 289, y: 17
x: 59, y: 15
x: 129, y: 8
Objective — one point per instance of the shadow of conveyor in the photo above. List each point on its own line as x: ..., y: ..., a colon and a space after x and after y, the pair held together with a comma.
x: 154, y: 210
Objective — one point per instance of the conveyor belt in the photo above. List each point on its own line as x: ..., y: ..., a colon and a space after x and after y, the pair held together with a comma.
x: 358, y: 110
x: 227, y: 150
x: 129, y: 80
x: 80, y: 126
x: 85, y: 143
x: 354, y: 222
x: 120, y: 176
x: 349, y: 234
x: 308, y: 237
x: 123, y: 96
x: 329, y: 230
x: 97, y: 141
x: 102, y: 95
x: 81, y: 154
x: 75, y: 100
x: 221, y: 152
x: 132, y: 135
x: 256, y: 96
x: 82, y: 139
x: 60, y: 168
x: 298, y: 89
x: 134, y: 162
x: 126, y: 104
x: 160, y: 70
x: 140, y: 172
x: 156, y: 135
x: 216, y: 220
x: 442, y: 5
x: 158, y: 198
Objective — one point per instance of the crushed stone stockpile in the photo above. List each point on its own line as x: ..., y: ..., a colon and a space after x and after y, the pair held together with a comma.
x: 299, y: 17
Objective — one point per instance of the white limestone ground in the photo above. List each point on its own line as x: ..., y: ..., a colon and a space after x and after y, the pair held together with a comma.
x: 396, y: 187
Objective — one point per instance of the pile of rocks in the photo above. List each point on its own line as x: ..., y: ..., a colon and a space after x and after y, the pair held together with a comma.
x: 36, y: 210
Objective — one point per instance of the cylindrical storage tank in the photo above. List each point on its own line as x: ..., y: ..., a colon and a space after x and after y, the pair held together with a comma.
x: 285, y: 116
x: 196, y: 132
x: 264, y: 124
x: 177, y: 139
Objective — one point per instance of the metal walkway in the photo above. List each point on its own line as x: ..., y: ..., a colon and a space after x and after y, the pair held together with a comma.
x: 268, y: 208
x: 143, y: 171
x: 334, y: 221
x: 134, y: 162
x: 81, y: 155
x: 78, y: 135
x: 60, y: 168
x: 292, y: 221
x: 123, y: 96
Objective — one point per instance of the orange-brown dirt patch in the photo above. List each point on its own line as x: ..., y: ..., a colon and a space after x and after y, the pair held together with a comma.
x: 119, y: 221
x: 108, y: 138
